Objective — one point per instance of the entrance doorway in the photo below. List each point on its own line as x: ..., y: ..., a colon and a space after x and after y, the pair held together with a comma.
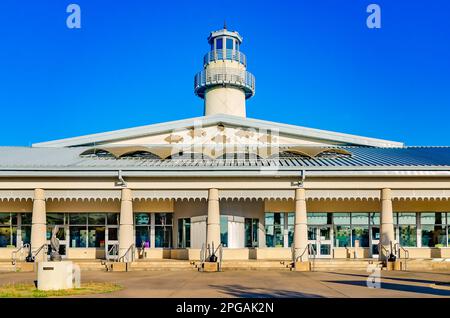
x: 320, y: 238
x: 111, y: 240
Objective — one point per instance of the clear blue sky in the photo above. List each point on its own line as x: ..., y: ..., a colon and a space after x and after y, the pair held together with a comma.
x: 316, y: 65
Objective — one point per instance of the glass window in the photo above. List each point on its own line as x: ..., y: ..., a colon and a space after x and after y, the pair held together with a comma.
x: 219, y: 44
x: 251, y: 232
x: 291, y: 224
x: 433, y: 235
x: 432, y: 218
x: 78, y: 236
x: 113, y: 234
x: 5, y: 218
x: 406, y: 218
x: 142, y: 236
x: 319, y: 218
x: 142, y: 219
x: 26, y: 218
x: 78, y: 218
x: 374, y: 218
x: 96, y: 218
x: 96, y: 236
x: 8, y: 236
x: 163, y: 219
x: 341, y: 218
x: 163, y: 236
x: 342, y: 235
x: 163, y: 230
x: 224, y: 230
x: 112, y: 218
x: 237, y: 45
x: 26, y: 234
x: 229, y: 44
x: 55, y: 218
x: 184, y: 232
x: 360, y: 218
x: 274, y: 225
x: 360, y: 233
x: 407, y: 235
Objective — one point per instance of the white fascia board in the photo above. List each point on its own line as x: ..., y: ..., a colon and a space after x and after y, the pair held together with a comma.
x: 299, y: 131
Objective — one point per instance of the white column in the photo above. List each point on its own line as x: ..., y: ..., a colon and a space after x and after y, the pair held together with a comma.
x: 126, y: 224
x: 213, y: 222
x: 387, y: 223
x: 301, y: 227
x: 39, y: 224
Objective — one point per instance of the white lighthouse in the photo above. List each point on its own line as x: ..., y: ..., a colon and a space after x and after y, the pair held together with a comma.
x: 224, y: 82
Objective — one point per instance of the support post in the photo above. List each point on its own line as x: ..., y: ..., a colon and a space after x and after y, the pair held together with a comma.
x: 301, y: 231
x: 387, y: 224
x: 213, y: 222
x: 39, y: 224
x: 126, y: 224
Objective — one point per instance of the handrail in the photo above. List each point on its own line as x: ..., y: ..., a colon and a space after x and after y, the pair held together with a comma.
x: 312, y: 251
x: 399, y: 248
x: 220, y: 250
x: 131, y: 248
x: 20, y: 249
x: 44, y: 247
x: 143, y: 245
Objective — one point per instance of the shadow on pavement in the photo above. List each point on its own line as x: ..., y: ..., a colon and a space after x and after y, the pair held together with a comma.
x: 403, y: 279
x: 398, y: 287
x: 246, y: 292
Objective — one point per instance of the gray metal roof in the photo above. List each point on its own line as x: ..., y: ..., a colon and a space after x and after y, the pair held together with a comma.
x: 24, y: 160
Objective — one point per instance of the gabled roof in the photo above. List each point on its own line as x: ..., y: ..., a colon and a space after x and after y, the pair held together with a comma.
x: 292, y: 130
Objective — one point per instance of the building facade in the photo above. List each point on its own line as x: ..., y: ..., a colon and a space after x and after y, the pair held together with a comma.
x: 263, y: 190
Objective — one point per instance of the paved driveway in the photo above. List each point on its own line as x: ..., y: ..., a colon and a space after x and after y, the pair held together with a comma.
x: 187, y: 284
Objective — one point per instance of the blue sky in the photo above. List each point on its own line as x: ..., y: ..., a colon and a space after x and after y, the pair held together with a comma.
x: 316, y: 64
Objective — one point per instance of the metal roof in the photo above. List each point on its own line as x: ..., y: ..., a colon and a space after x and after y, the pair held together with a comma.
x: 23, y: 160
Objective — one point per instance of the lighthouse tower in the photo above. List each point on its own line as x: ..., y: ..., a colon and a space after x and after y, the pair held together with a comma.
x: 224, y: 82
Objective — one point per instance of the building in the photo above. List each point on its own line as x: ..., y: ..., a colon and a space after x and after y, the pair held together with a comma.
x: 261, y: 189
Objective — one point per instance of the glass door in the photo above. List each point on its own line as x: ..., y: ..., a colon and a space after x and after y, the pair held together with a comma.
x: 320, y: 238
x: 111, y: 239
x: 375, y: 240
x: 251, y: 232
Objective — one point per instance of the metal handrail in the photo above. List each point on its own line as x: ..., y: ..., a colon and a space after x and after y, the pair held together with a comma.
x: 44, y: 247
x: 143, y: 249
x: 399, y: 248
x: 312, y: 251
x: 131, y: 248
x: 218, y: 55
x: 220, y: 250
x: 20, y: 249
x: 382, y: 248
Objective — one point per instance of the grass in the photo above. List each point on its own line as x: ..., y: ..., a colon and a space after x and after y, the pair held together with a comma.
x: 30, y: 291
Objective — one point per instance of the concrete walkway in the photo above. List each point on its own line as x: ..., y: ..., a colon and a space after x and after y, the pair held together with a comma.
x: 187, y: 284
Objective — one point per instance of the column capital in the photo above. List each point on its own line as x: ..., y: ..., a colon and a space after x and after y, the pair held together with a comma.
x: 39, y: 194
x: 386, y: 194
x: 127, y: 194
x: 213, y: 194
x: 300, y: 194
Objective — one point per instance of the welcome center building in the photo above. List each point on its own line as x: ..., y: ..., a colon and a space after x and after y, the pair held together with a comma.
x: 259, y: 188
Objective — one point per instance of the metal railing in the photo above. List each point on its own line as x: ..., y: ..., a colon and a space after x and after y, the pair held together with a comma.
x: 223, y: 55
x: 220, y: 76
x: 125, y: 257
x: 207, y: 251
x: 42, y: 249
x: 21, y: 250
x: 312, y: 251
x: 398, y: 249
